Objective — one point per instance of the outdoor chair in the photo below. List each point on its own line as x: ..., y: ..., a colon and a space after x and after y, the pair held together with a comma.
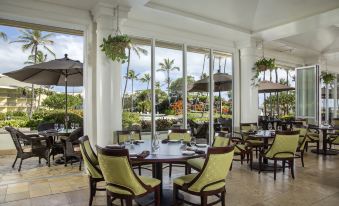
x: 199, y: 131
x: 92, y: 165
x: 302, y: 142
x: 210, y: 181
x: 56, y: 145
x: 252, y: 143
x: 123, y: 136
x: 178, y: 134
x: 121, y: 180
x: 283, y: 149
x: 36, y: 146
x: 72, y: 146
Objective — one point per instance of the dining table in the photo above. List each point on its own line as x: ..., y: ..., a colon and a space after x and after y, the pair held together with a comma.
x: 265, y: 136
x: 325, y: 130
x: 167, y: 152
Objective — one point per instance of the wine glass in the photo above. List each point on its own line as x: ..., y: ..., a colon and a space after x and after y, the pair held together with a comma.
x: 72, y: 125
x: 77, y: 125
x: 62, y: 127
x: 56, y: 126
x: 193, y: 141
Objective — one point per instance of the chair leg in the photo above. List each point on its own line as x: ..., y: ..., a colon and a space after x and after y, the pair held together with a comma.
x: 39, y: 160
x: 91, y: 195
x: 302, y: 158
x: 157, y: 196
x: 242, y: 158
x: 318, y: 147
x: 283, y: 166
x: 292, y: 168
x: 231, y: 166
x: 223, y: 194
x: 139, y: 169
x: 109, y: 200
x: 204, y: 200
x: 260, y: 162
x: 275, y: 169
x: 175, y: 195
x: 80, y: 161
x: 16, y: 158
x: 170, y: 170
x: 20, y: 165
x: 129, y: 202
x: 251, y: 160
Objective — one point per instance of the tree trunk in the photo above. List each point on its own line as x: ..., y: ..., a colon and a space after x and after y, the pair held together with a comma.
x: 276, y: 75
x: 33, y: 96
x: 39, y: 98
x: 128, y: 65
x: 168, y: 87
x: 132, y: 96
x: 287, y: 76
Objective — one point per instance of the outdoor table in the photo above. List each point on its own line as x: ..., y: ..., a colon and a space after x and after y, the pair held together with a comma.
x: 325, y: 130
x: 167, y: 153
x: 264, y: 135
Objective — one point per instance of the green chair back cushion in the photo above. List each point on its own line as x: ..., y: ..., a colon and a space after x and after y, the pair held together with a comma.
x: 178, y: 136
x: 125, y: 137
x: 285, y: 145
x: 221, y: 141
x: 92, y: 169
x: 117, y: 170
x: 216, y: 169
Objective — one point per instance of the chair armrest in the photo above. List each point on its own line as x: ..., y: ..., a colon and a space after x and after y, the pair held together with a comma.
x: 32, y: 135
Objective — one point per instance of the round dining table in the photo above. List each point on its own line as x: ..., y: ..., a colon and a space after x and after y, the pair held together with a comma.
x: 325, y: 131
x: 265, y: 136
x: 169, y: 152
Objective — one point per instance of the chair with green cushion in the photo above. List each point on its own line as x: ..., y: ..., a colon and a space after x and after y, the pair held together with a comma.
x: 221, y: 139
x: 302, y: 142
x: 91, y: 162
x: 245, y: 128
x: 210, y: 181
x: 283, y: 148
x: 123, y: 136
x: 313, y: 136
x: 121, y: 181
x: 178, y: 134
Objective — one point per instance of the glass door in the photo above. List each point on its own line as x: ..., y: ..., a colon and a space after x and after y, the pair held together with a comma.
x: 307, y: 93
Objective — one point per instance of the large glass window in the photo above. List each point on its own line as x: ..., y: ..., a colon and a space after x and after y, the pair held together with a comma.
x: 136, y: 87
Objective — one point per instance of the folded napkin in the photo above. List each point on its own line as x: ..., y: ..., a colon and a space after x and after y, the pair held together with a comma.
x: 164, y: 141
x: 143, y: 154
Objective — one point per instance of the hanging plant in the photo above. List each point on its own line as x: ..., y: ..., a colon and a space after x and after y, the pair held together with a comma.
x: 115, y: 47
x: 262, y: 65
x: 327, y: 78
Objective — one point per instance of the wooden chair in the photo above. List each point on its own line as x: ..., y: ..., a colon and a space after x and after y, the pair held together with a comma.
x: 36, y: 146
x: 252, y: 143
x: 210, y: 181
x: 72, y: 146
x: 313, y: 136
x: 302, y: 142
x: 92, y: 165
x: 178, y: 134
x: 283, y: 149
x: 123, y: 136
x: 121, y: 181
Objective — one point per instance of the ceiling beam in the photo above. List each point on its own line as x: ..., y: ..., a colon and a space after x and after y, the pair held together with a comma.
x: 300, y: 26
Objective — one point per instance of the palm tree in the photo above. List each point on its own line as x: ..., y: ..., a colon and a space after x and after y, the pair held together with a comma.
x: 146, y: 79
x: 137, y: 50
x: 33, y: 39
x: 132, y: 76
x: 167, y: 67
x: 3, y: 36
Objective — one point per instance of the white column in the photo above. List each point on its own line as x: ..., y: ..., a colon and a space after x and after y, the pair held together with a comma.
x: 249, y: 93
x: 108, y: 79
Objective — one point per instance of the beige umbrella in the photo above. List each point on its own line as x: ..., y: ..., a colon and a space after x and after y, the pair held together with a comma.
x: 268, y: 87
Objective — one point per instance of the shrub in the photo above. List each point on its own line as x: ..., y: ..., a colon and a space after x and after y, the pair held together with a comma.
x: 13, y: 123
x: 169, y: 112
x: 129, y: 119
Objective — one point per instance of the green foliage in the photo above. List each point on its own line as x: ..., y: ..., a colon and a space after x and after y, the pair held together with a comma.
x: 262, y: 65
x: 144, y: 106
x: 58, y: 101
x: 14, y: 123
x: 178, y: 84
x: 286, y: 102
x: 169, y: 112
x: 115, y: 47
x: 16, y: 114
x: 129, y: 119
x: 327, y: 78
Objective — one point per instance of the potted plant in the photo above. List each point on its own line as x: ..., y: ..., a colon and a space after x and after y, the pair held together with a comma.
x: 262, y: 65
x: 115, y: 47
x: 327, y: 78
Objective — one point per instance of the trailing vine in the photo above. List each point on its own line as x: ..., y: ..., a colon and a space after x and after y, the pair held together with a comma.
x: 262, y: 65
x: 327, y: 78
x: 115, y: 47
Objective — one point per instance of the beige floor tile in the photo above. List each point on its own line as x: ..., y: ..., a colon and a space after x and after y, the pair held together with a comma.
x: 50, y: 200
x: 17, y: 188
x: 16, y: 196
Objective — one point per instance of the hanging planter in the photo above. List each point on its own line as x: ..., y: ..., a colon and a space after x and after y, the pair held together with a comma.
x: 262, y: 65
x: 327, y: 78
x: 115, y: 47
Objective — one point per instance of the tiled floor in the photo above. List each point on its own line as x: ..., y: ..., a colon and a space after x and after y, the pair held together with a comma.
x: 38, y: 185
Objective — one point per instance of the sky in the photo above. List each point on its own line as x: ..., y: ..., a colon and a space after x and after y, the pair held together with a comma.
x: 12, y: 57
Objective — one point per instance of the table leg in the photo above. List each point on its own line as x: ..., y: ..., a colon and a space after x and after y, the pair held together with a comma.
x: 324, y: 141
x: 324, y: 149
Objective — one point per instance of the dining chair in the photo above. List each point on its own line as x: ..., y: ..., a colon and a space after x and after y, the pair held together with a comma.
x: 121, y: 180
x: 220, y: 140
x: 178, y: 134
x: 253, y: 143
x: 283, y: 149
x: 302, y: 142
x: 313, y: 136
x: 56, y: 146
x: 92, y: 165
x: 123, y: 136
x: 28, y: 146
x: 210, y: 181
x: 71, y: 146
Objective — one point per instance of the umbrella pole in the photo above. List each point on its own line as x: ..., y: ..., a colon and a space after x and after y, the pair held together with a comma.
x: 277, y: 104
x: 265, y: 104
x: 66, y: 98
x: 220, y: 104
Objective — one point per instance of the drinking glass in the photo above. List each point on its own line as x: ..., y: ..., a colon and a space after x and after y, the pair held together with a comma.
x: 56, y: 126
x: 77, y: 125
x: 62, y: 127
x: 193, y: 141
x: 269, y: 126
x: 72, y: 125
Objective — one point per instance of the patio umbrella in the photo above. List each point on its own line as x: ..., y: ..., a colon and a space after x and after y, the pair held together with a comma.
x: 268, y: 87
x: 59, y: 72
x: 222, y: 82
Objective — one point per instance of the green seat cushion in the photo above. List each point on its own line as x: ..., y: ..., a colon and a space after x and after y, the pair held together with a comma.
x: 255, y: 142
x: 313, y: 136
x: 196, y: 163
x: 239, y: 148
x: 152, y: 182
x: 188, y: 178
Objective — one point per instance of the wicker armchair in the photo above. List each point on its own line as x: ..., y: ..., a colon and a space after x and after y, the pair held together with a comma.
x: 28, y: 146
x: 71, y: 146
